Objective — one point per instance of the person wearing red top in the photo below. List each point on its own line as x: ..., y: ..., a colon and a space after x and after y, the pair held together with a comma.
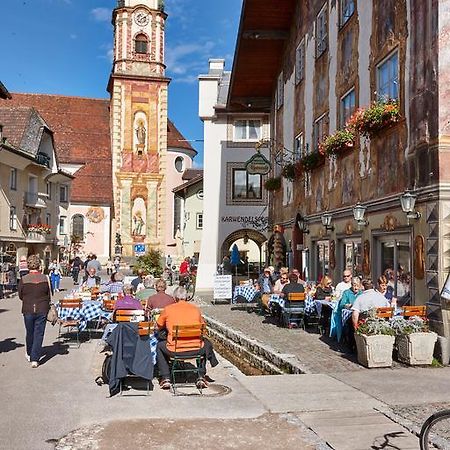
x: 181, y: 313
x: 184, y: 267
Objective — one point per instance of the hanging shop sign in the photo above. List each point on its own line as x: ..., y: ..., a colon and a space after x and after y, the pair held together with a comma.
x: 258, y: 165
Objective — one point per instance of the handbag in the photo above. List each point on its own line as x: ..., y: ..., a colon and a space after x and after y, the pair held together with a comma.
x: 52, y: 315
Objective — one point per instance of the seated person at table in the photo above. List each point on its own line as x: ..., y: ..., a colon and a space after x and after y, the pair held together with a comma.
x: 265, y: 282
x: 159, y: 300
x: 91, y: 279
x: 300, y: 280
x: 369, y: 299
x: 139, y: 279
x: 128, y: 301
x: 114, y: 285
x: 293, y: 287
x: 347, y: 299
x: 282, y: 281
x: 148, y: 289
x: 343, y: 285
x: 324, y: 290
x: 181, y: 313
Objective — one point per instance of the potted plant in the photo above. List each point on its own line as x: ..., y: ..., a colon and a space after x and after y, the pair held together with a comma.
x: 381, y: 114
x: 291, y: 171
x: 273, y: 184
x: 414, y: 341
x: 337, y: 143
x: 374, y: 341
x: 310, y: 161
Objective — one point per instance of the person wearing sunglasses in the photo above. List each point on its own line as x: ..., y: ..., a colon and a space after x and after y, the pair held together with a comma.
x: 344, y: 284
x: 282, y: 281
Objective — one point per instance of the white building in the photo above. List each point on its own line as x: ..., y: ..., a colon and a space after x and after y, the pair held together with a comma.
x: 235, y: 202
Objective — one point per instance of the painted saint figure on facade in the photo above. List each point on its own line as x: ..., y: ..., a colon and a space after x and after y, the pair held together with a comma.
x: 138, y: 224
x: 141, y: 132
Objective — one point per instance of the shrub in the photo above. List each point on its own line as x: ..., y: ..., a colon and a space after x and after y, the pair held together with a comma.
x: 273, y: 184
x: 151, y: 263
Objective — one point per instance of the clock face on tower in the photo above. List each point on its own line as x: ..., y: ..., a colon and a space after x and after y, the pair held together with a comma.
x: 141, y: 17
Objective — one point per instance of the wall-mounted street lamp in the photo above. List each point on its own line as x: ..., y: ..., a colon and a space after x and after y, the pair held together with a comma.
x: 302, y: 224
x: 408, y: 202
x: 326, y: 221
x: 358, y: 214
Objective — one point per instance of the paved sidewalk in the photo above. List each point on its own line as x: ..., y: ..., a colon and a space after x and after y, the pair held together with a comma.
x: 59, y: 403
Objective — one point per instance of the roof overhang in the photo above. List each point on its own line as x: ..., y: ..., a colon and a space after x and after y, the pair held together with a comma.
x: 4, y: 94
x: 263, y: 31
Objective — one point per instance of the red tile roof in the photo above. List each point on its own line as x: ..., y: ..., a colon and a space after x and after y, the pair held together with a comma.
x: 14, y: 121
x: 188, y: 174
x: 81, y: 134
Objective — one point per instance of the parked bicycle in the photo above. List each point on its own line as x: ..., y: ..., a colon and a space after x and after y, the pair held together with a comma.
x: 435, y: 432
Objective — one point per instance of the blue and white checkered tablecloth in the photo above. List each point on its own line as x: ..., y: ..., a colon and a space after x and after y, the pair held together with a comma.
x: 88, y: 311
x: 309, y: 303
x: 246, y: 291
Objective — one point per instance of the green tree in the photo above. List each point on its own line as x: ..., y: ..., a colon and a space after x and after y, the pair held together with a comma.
x: 151, y: 263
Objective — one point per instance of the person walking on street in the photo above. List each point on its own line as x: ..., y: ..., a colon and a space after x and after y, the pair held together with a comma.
x: 55, y: 275
x: 35, y: 293
x: 77, y: 265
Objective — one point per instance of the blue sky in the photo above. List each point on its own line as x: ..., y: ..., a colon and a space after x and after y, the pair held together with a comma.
x: 64, y: 47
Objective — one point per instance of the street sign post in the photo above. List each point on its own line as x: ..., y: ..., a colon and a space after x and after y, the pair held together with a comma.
x: 139, y: 249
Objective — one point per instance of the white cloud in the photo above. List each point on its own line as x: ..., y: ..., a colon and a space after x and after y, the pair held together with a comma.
x: 101, y: 14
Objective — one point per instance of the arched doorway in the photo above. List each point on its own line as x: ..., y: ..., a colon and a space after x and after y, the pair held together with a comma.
x: 250, y: 245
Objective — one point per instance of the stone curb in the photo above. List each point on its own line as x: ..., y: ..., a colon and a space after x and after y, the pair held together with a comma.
x: 261, y: 355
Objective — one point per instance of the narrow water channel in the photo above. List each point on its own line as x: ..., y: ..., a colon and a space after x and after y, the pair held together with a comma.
x: 238, y: 360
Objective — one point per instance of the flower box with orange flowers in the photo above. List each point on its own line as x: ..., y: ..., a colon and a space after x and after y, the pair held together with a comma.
x: 337, y: 143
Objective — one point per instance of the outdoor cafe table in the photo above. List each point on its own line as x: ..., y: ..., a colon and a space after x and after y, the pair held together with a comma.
x: 90, y: 310
x: 247, y: 291
x: 277, y: 299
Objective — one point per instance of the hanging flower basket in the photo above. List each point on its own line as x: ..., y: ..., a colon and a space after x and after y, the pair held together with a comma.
x: 337, y: 143
x: 39, y: 228
x: 273, y: 184
x: 380, y: 115
x: 311, y: 161
x: 292, y: 171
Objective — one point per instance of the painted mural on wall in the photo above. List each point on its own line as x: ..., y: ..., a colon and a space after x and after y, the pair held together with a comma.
x: 138, y: 215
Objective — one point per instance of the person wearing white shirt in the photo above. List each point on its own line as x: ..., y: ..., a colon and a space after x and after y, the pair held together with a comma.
x: 343, y: 285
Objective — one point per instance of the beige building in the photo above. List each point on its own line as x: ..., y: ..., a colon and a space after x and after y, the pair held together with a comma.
x: 34, y: 190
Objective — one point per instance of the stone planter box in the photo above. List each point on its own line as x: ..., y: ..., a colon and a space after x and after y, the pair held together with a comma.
x: 416, y: 348
x: 375, y: 351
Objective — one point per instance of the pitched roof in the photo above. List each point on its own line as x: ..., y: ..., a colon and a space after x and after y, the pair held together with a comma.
x: 191, y: 182
x: 188, y: 174
x: 4, y: 94
x: 175, y: 139
x: 81, y: 134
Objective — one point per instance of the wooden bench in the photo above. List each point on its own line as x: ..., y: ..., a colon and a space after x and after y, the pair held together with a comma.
x: 410, y: 311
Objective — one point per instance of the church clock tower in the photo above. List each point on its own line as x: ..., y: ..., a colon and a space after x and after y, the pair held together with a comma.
x: 138, y: 90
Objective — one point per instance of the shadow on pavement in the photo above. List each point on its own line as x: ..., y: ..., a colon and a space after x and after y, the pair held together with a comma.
x: 387, y: 441
x: 9, y: 345
x: 50, y: 351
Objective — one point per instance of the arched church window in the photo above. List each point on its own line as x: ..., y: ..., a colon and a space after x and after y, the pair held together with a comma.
x: 141, y: 43
x: 78, y: 226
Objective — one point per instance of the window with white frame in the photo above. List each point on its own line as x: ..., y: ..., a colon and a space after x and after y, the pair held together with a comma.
x: 62, y: 225
x: 49, y: 189
x: 246, y: 186
x: 387, y: 78
x: 63, y: 193
x: 298, y: 147
x: 347, y: 107
x: 13, y: 179
x: 346, y: 10
x: 280, y: 90
x: 199, y: 221
x: 247, y: 130
x: 300, y: 62
x: 322, y: 31
x: 319, y: 130
x: 12, y: 218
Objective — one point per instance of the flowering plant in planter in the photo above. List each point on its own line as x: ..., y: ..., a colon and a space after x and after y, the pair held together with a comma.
x: 338, y: 142
x: 39, y: 228
x: 373, y: 326
x: 379, y: 115
x: 273, y: 184
x: 310, y: 161
x: 292, y: 171
x: 414, y: 324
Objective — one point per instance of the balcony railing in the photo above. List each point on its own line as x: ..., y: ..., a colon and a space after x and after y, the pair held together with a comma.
x: 32, y: 199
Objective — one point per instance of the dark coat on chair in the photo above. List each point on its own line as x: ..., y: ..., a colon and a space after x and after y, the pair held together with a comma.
x: 131, y: 355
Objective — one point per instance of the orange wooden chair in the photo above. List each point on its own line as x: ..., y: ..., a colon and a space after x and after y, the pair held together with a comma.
x: 294, y: 309
x: 128, y: 315
x: 70, y: 324
x: 410, y: 311
x: 385, y: 312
